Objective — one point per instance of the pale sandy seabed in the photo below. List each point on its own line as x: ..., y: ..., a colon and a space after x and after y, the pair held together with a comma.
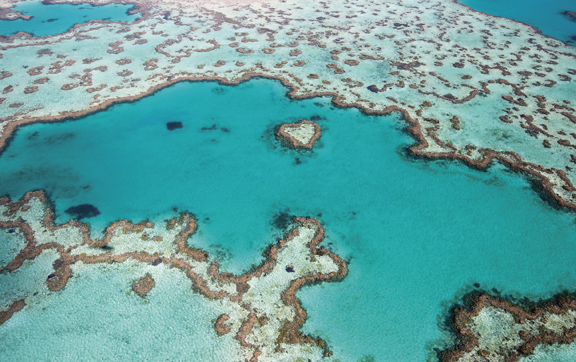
x: 471, y: 86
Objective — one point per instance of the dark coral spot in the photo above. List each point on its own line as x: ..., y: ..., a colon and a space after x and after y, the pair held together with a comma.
x: 173, y: 125
x: 156, y: 261
x: 57, y: 263
x: 570, y: 15
x: 282, y: 220
x: 289, y: 268
x: 373, y: 88
x: 83, y: 211
x: 211, y: 128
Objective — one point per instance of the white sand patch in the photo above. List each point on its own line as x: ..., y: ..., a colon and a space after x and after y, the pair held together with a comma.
x: 303, y: 133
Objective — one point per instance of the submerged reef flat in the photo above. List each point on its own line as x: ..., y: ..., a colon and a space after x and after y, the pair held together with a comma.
x: 260, y: 312
x: 301, y: 134
x: 471, y: 86
x: 493, y: 329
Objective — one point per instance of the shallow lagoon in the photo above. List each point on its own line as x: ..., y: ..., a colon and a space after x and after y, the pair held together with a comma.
x: 58, y: 18
x: 417, y: 234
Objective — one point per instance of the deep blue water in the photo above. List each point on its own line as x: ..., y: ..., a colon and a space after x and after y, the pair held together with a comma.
x: 58, y: 18
x: 545, y: 15
x: 417, y: 234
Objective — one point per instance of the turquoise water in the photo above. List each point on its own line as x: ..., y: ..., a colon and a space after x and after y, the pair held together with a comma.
x: 417, y: 234
x: 58, y: 18
x: 542, y: 14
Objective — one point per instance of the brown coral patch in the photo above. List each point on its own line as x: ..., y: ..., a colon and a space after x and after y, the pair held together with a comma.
x: 244, y: 50
x: 14, y: 307
x: 59, y: 278
x: 150, y: 64
x: 30, y: 89
x: 41, y: 80
x: 125, y: 73
x: 4, y: 74
x: 69, y: 86
x: 220, y: 325
x: 123, y: 61
x: 144, y: 285
x: 115, y: 48
x: 35, y: 71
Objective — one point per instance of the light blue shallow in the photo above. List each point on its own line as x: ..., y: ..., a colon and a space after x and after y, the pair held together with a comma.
x: 416, y: 234
x: 58, y: 18
x: 99, y: 318
x: 545, y: 15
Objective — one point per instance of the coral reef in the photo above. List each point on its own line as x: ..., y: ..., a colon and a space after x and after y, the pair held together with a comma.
x: 301, y: 134
x: 493, y: 329
x: 261, y: 310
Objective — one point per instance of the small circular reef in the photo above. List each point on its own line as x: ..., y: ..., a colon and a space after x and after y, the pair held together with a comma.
x: 300, y: 135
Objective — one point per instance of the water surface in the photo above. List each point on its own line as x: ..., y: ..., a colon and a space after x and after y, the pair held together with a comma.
x: 545, y: 15
x: 55, y: 19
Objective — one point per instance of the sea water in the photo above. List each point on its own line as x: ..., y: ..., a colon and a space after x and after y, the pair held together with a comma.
x: 55, y: 19
x: 416, y: 234
x: 545, y: 15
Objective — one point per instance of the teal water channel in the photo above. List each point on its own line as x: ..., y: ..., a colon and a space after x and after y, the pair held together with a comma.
x: 547, y: 15
x: 416, y: 234
x: 55, y: 19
